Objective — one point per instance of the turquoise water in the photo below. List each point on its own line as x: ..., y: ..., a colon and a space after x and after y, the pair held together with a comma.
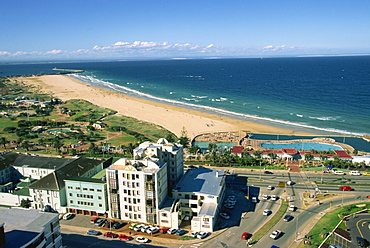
x: 54, y: 131
x: 302, y: 146
x: 204, y: 144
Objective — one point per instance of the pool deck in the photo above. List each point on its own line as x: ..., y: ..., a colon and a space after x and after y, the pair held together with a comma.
x: 256, y: 144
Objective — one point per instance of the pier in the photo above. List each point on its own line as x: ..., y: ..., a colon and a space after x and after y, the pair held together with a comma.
x: 71, y: 70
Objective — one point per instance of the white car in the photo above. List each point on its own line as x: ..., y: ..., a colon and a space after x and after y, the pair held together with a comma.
x: 291, y: 208
x: 274, y: 198
x: 254, y: 199
x: 67, y: 216
x: 172, y: 231
x: 266, y: 212
x: 225, y: 216
x: 290, y: 183
x: 275, y: 234
x: 194, y: 234
x: 355, y: 173
x: 266, y: 197
x: 152, y: 230
x: 339, y: 173
x: 142, y: 240
x: 270, y: 187
x: 202, y: 235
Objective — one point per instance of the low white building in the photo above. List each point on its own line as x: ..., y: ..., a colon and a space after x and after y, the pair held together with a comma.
x: 197, y: 197
x: 360, y: 159
x: 25, y: 228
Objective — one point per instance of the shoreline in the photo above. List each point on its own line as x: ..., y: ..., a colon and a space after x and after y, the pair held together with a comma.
x: 170, y: 116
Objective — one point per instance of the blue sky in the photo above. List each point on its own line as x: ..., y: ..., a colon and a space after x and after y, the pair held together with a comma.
x: 120, y: 29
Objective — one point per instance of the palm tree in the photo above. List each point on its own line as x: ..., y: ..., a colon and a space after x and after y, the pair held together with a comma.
x: 257, y: 154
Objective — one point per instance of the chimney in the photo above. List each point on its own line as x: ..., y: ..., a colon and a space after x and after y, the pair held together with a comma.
x: 2, y: 235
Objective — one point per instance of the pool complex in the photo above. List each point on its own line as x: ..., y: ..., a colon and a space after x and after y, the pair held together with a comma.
x: 62, y: 130
x: 302, y: 146
x: 204, y: 144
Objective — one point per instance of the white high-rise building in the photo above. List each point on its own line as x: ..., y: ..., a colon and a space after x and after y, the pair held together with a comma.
x: 163, y: 151
x: 136, y: 189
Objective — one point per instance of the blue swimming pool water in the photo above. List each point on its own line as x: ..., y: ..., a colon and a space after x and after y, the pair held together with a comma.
x: 204, y: 144
x: 302, y: 146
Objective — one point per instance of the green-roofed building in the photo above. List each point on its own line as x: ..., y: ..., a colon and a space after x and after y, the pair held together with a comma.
x: 87, y: 196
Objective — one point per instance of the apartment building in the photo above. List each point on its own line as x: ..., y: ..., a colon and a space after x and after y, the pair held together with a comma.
x: 25, y: 228
x: 87, y: 196
x: 197, y: 198
x: 136, y: 189
x: 164, y: 151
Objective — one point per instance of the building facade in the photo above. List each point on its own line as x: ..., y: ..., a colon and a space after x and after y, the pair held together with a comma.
x: 87, y: 196
x: 136, y: 189
x: 163, y: 151
x: 26, y: 228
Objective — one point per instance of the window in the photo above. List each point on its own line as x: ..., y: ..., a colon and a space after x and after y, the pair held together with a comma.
x: 202, y: 197
x: 70, y: 187
x: 206, y: 219
x: 100, y: 205
x: 99, y: 197
x: 78, y: 188
x: 84, y: 189
x: 164, y: 214
x: 187, y: 196
x: 194, y: 197
x: 71, y: 201
x: 70, y: 194
x: 92, y: 190
x: 98, y: 190
x: 164, y: 221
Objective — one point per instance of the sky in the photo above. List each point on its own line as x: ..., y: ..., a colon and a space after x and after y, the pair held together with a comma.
x: 125, y: 29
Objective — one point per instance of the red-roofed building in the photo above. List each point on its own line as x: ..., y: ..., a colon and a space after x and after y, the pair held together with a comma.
x: 343, y: 154
x: 238, y: 150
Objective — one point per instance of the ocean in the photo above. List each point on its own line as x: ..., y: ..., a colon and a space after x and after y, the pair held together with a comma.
x: 323, y: 94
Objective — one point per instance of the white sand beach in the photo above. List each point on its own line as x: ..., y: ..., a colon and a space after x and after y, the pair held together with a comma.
x: 171, y: 117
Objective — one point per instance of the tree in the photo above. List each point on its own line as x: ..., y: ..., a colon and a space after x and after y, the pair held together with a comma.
x: 4, y: 141
x: 25, y: 203
x: 257, y: 154
x: 184, y: 140
x: 271, y: 155
x: 308, y: 156
x: 171, y: 138
x: 355, y: 151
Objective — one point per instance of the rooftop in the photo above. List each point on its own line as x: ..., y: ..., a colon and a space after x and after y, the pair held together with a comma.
x: 42, y: 162
x: 22, y: 225
x: 201, y: 180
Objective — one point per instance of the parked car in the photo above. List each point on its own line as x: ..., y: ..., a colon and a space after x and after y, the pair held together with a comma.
x: 345, y: 188
x: 270, y: 187
x: 228, y: 206
x: 152, y: 230
x: 93, y: 232
x: 164, y: 229
x: 142, y: 240
x: 202, y: 235
x: 180, y: 232
x: 194, y: 234
x: 118, y: 224
x: 246, y: 235
x: 224, y: 215
x: 145, y: 228
x: 100, y: 222
x: 268, y: 172
x: 254, y: 199
x: 133, y: 225
x: 266, y: 212
x: 111, y: 235
x: 290, y: 183
x: 288, y: 217
x: 138, y: 227
x: 67, y: 216
x: 172, y: 231
x: 109, y: 224
x: 94, y: 220
x: 366, y: 173
x: 124, y: 237
x: 266, y: 197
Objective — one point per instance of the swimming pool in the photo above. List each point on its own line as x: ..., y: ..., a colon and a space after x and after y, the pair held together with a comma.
x: 61, y: 130
x: 204, y: 144
x: 302, y: 146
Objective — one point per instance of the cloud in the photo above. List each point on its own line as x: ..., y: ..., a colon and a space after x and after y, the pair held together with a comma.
x: 149, y: 49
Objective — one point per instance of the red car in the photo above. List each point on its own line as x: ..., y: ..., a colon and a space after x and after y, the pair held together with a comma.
x: 246, y: 235
x: 124, y: 237
x: 110, y: 235
x: 95, y: 219
x: 164, y: 229
x: 345, y: 188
